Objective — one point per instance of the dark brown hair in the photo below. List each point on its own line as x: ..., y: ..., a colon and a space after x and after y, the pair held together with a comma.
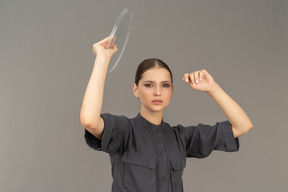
x: 148, y: 64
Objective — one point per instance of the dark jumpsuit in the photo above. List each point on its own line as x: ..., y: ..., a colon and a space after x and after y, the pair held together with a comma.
x: 151, y: 158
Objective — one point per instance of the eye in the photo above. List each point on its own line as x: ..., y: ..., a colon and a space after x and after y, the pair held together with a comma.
x: 166, y: 85
x: 148, y: 85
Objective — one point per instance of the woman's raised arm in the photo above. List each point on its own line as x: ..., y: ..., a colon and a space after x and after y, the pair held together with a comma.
x: 93, y: 97
x: 203, y: 81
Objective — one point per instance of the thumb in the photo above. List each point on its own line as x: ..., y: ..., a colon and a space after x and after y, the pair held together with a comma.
x: 115, y: 49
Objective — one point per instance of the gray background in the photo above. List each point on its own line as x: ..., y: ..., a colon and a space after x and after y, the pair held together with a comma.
x: 46, y: 60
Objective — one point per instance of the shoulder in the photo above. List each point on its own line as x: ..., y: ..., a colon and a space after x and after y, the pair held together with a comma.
x: 110, y: 116
x: 112, y: 121
x: 181, y: 128
x: 178, y: 129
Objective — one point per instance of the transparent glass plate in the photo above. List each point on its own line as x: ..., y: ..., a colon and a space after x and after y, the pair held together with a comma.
x: 119, y: 36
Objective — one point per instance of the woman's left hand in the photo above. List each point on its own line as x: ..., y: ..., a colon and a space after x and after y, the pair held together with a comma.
x: 200, y: 80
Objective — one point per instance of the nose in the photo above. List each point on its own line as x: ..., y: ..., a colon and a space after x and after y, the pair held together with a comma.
x: 157, y: 91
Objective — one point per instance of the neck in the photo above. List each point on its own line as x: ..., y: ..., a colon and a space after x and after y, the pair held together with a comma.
x: 152, y: 117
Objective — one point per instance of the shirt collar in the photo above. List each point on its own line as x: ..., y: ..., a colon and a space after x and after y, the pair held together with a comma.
x: 148, y: 124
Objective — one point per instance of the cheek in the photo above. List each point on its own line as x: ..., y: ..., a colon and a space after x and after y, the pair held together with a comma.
x: 144, y: 94
x: 168, y: 93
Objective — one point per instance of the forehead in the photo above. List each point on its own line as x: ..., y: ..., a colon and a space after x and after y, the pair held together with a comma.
x: 156, y: 74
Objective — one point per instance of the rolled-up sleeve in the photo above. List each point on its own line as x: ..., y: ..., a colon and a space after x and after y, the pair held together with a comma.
x: 115, y: 134
x: 202, y: 139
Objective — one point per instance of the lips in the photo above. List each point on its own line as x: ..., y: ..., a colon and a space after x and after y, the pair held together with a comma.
x: 157, y: 102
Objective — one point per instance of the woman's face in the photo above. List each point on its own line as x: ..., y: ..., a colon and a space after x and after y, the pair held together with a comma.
x: 154, y: 89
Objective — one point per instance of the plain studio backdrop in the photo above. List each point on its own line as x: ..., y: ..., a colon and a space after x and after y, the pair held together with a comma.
x: 46, y: 60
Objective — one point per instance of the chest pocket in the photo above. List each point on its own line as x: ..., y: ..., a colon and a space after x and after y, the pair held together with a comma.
x: 177, y: 168
x: 139, y: 172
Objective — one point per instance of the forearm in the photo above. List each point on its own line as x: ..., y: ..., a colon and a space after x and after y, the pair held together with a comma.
x: 93, y: 98
x: 234, y: 113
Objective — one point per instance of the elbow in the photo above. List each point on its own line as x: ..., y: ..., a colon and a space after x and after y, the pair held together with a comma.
x: 248, y: 127
x: 85, y: 122
x: 92, y: 127
x: 89, y: 123
x: 86, y: 119
x: 244, y: 129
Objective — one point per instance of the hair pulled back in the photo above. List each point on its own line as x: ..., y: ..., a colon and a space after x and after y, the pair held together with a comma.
x: 149, y: 64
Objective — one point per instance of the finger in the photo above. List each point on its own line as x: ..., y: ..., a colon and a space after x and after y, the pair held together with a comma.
x: 115, y: 49
x: 201, y: 74
x: 196, y: 77
x: 186, y: 77
x: 101, y: 43
x: 192, y: 79
x: 104, y: 41
x: 108, y: 44
x: 94, y: 45
x: 113, y: 41
x: 205, y: 75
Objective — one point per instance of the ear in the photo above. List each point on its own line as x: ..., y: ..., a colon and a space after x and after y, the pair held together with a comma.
x: 135, y: 90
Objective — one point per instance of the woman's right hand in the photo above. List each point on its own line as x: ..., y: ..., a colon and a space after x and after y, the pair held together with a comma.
x: 100, y: 48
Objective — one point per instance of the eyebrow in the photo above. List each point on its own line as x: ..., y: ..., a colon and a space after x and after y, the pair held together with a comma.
x: 161, y: 81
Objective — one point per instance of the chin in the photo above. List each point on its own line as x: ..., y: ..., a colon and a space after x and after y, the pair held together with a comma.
x: 158, y: 108
x: 155, y: 108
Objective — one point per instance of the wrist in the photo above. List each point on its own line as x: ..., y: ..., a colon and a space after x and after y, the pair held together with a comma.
x: 103, y: 58
x: 102, y: 61
x: 215, y: 88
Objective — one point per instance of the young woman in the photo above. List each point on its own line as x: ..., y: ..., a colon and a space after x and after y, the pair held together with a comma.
x: 147, y: 154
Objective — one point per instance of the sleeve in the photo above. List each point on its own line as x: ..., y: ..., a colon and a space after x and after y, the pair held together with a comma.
x: 202, y: 139
x: 115, y: 134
